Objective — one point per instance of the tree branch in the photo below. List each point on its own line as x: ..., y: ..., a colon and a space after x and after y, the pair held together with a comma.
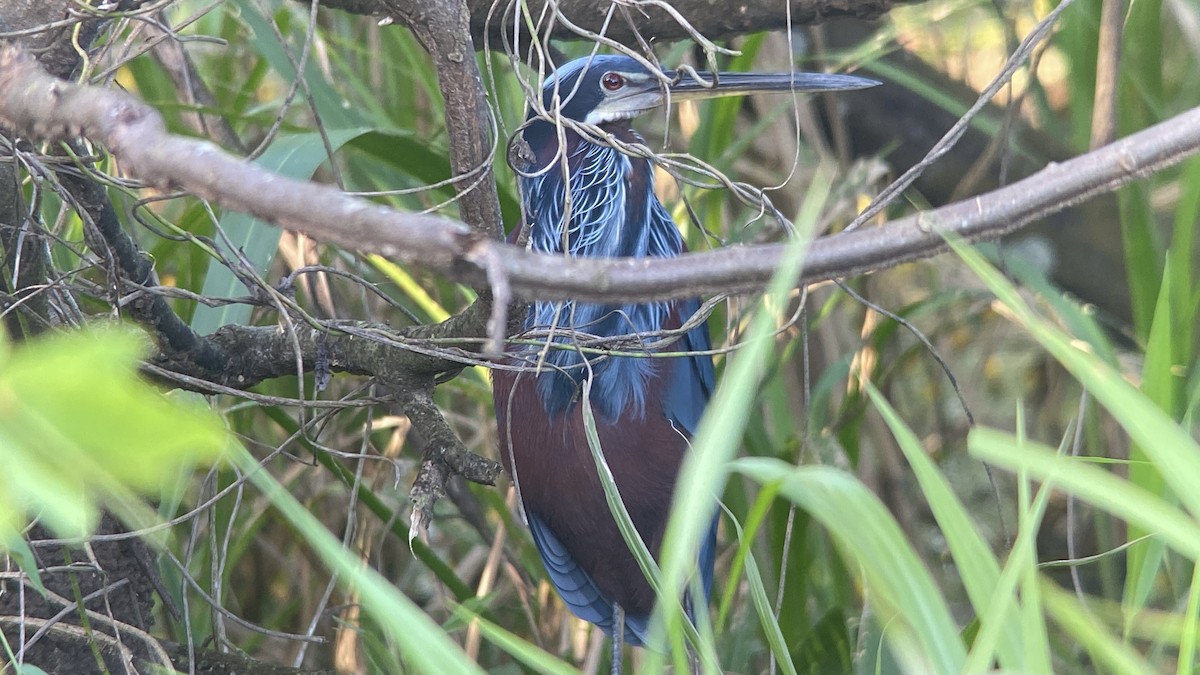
x: 42, y: 107
x: 254, y: 354
x: 445, y: 455
x: 442, y: 27
x: 32, y: 268
x: 652, y: 21
x: 172, y: 334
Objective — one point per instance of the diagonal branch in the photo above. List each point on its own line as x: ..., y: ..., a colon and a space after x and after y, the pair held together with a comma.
x: 173, y: 335
x: 42, y: 107
x: 254, y: 354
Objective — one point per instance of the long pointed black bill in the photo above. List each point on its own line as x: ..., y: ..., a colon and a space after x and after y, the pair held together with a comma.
x: 689, y: 87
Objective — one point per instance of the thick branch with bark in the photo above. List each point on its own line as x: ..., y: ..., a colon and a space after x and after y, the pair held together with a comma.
x: 648, y: 19
x: 445, y: 456
x: 43, y: 107
x: 57, y: 49
x: 254, y: 354
x: 442, y: 27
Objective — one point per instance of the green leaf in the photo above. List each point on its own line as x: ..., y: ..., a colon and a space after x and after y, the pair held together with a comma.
x: 705, y: 469
x: 527, y: 653
x: 1187, y: 644
x: 1165, y: 443
x: 63, y: 453
x: 744, y: 564
x: 15, y: 546
x: 827, y: 648
x: 1164, y: 388
x: 1094, y: 485
x: 766, y: 615
x: 335, y: 111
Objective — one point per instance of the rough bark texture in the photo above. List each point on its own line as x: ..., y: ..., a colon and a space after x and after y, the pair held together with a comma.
x: 116, y: 579
x: 714, y: 20
x: 23, y: 247
x: 442, y: 27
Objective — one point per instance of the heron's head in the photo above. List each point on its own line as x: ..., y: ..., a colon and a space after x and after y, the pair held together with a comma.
x: 604, y: 88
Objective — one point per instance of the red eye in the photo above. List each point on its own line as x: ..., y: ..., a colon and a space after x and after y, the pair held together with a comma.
x: 612, y: 81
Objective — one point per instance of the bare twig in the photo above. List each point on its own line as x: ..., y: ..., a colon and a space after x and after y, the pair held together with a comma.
x: 1015, y: 61
x: 1108, y: 68
x: 170, y: 54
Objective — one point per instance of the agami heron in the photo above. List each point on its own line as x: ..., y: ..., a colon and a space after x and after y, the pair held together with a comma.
x: 585, y: 198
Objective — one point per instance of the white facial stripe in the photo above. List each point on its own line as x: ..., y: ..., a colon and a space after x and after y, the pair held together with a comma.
x: 622, y: 105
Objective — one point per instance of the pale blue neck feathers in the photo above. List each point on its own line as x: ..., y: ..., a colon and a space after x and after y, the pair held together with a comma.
x: 612, y: 213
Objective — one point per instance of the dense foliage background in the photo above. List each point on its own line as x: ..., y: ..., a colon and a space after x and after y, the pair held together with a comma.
x: 981, y: 460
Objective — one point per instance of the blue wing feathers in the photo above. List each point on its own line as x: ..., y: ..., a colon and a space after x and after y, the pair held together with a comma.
x: 572, y: 582
x: 576, y: 588
x: 586, y: 601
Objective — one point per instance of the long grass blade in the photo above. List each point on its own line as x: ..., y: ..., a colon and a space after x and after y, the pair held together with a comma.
x: 1165, y: 443
x: 977, y: 566
x: 908, y: 602
x: 706, y: 468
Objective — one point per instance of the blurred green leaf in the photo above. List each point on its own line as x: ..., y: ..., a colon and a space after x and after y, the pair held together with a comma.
x: 334, y: 110
x: 827, y: 648
x: 1089, y: 633
x: 1191, y: 626
x: 65, y: 455
x: 529, y: 654
x: 1163, y: 387
x: 1094, y: 485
